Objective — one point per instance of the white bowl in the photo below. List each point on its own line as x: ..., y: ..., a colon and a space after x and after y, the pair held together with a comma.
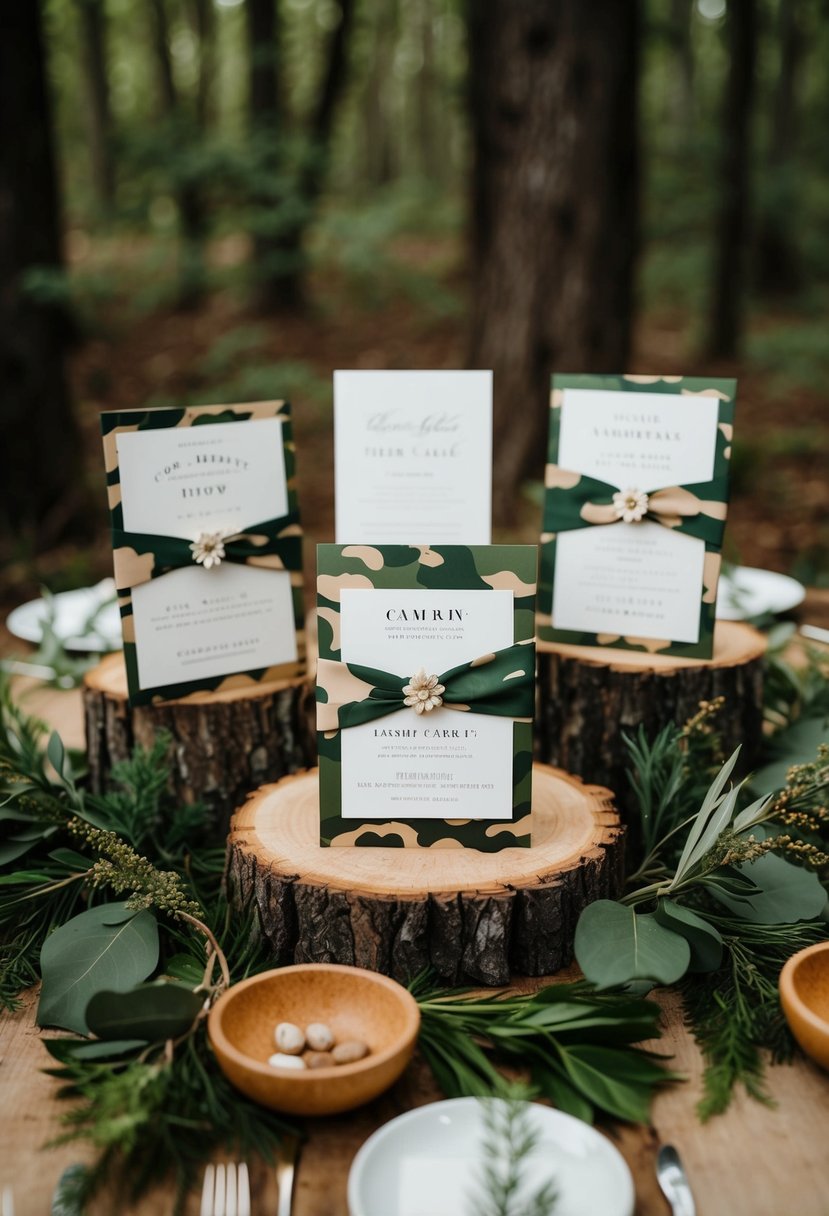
x: 429, y: 1162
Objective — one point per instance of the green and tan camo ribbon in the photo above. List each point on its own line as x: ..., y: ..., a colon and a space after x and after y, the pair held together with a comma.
x: 500, y: 683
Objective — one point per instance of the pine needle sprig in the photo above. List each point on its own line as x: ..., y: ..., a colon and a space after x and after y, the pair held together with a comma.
x: 734, y: 1013
x: 509, y: 1143
x: 669, y: 775
x: 160, y: 1116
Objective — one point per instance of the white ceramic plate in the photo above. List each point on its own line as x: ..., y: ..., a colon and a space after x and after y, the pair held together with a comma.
x: 429, y: 1162
x: 747, y: 592
x: 85, y: 619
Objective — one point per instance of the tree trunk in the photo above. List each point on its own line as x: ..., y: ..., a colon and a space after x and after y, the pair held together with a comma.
x: 93, y: 34
x: 282, y: 262
x: 429, y: 152
x: 266, y: 132
x: 379, y: 157
x: 263, y: 47
x: 191, y: 209
x: 679, y: 37
x: 777, y: 269
x: 203, y: 20
x: 41, y: 488
x: 731, y: 243
x: 555, y: 207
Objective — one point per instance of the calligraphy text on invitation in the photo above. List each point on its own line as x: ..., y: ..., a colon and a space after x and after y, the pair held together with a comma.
x: 413, y: 455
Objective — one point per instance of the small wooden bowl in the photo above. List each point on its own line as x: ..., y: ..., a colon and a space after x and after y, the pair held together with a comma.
x: 804, y: 995
x: 356, y: 1004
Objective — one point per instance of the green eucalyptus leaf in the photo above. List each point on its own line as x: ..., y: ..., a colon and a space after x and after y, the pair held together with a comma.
x: 28, y: 878
x: 106, y: 947
x: 704, y: 939
x: 562, y: 1093
x: 152, y: 1012
x: 617, y: 1024
x: 11, y: 849
x: 615, y: 945
x: 56, y: 753
x: 796, y: 744
x: 72, y: 858
x: 116, y: 913
x: 619, y: 1082
x: 698, y: 829
x: 730, y: 880
x: 709, y: 832
x: 186, y: 968
x: 752, y: 815
x: 67, y: 1050
x: 17, y: 816
x: 784, y: 893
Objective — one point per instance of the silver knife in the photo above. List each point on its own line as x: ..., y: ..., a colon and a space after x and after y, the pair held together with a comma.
x: 673, y: 1182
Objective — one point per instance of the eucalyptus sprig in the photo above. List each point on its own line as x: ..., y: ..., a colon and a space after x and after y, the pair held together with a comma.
x: 146, y: 1091
x: 717, y: 904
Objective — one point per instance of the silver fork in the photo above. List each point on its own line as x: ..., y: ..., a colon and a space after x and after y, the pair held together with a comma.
x: 226, y: 1190
x: 285, y: 1172
x: 7, y: 1202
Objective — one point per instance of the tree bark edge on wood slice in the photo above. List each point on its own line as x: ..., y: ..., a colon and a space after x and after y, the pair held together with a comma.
x: 471, y: 917
x: 589, y: 697
x: 224, y: 744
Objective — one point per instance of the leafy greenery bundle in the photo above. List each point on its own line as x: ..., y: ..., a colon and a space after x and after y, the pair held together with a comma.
x: 721, y: 897
x: 139, y: 974
x: 723, y: 893
x: 148, y: 1093
x: 576, y: 1043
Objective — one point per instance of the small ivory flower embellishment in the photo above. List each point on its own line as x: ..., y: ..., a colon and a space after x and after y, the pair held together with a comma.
x: 208, y: 549
x: 631, y: 506
x: 423, y: 692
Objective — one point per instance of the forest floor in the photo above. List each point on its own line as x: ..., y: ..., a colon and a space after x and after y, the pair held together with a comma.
x: 136, y: 352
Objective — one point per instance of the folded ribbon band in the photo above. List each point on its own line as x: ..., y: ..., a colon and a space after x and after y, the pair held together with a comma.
x: 575, y: 500
x: 275, y: 544
x: 500, y: 683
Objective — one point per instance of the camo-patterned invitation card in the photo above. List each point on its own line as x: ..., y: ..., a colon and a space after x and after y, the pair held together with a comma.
x: 413, y: 456
x: 207, y: 546
x: 425, y: 694
x: 636, y: 497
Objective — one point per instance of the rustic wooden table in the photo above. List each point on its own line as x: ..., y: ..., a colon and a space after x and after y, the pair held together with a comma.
x: 753, y: 1161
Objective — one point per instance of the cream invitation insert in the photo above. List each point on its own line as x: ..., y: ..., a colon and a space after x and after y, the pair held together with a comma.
x: 413, y: 456
x: 207, y: 546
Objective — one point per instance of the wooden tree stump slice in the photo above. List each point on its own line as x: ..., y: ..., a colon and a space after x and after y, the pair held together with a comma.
x: 473, y: 917
x: 225, y: 744
x: 589, y: 697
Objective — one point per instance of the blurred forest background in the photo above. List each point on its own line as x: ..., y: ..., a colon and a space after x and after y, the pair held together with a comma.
x: 224, y: 200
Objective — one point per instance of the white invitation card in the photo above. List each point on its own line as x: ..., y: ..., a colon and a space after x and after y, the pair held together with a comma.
x: 413, y: 456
